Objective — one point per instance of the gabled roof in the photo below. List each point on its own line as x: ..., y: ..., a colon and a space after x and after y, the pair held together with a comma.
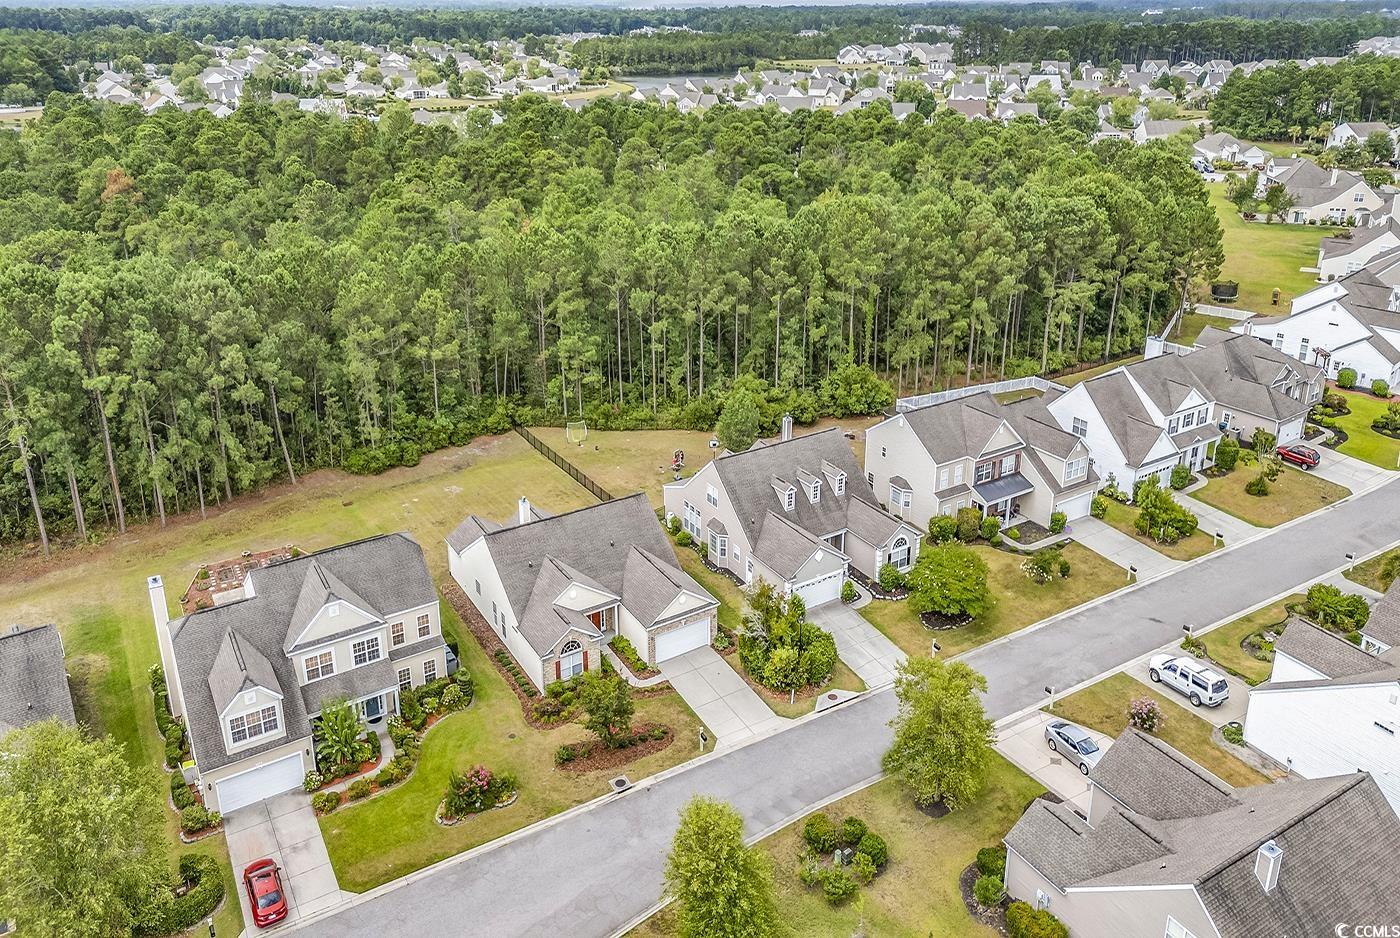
x: 1384, y: 624
x: 1336, y: 836
x: 960, y: 428
x: 319, y: 588
x: 238, y: 669
x: 1124, y: 414
x: 33, y: 680
x: 1323, y: 651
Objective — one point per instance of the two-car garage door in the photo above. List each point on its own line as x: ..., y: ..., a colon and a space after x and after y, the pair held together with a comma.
x: 688, y: 637
x: 265, y: 781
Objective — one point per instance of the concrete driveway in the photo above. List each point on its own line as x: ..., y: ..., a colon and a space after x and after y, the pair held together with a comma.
x: 1355, y: 474
x: 864, y: 648
x: 284, y: 828
x: 1023, y: 743
x: 719, y: 696
x: 1214, y: 521
x: 1112, y: 544
x: 1232, y: 710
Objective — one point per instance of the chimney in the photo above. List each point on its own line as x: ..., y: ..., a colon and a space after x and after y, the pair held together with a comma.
x: 160, y: 612
x: 1267, y: 862
x: 1334, y: 177
x: 786, y: 433
x: 523, y: 511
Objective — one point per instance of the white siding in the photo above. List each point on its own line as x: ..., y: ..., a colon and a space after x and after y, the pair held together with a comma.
x: 474, y: 565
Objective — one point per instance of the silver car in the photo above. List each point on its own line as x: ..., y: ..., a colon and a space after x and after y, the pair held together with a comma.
x: 1074, y: 743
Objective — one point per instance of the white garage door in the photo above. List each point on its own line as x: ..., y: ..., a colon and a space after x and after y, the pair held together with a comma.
x: 823, y: 590
x: 688, y: 637
x: 1291, y: 431
x: 262, y: 782
x: 1077, y: 507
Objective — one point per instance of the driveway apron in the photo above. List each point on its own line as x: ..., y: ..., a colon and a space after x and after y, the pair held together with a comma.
x: 719, y: 696
x: 1113, y: 545
x: 284, y: 829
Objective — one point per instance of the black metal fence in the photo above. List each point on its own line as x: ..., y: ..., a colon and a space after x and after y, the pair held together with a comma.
x: 596, y: 490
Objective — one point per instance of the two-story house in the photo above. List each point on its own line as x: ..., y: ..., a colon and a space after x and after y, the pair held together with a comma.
x: 1325, y: 196
x: 250, y: 675
x: 1352, y: 322
x: 1009, y: 460
x: 1169, y: 849
x: 1330, y: 707
x: 557, y: 588
x: 795, y: 513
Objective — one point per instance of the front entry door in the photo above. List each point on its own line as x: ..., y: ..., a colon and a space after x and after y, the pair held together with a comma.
x: 374, y: 708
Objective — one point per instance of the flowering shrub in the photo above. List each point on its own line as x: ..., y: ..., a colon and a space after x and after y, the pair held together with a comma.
x: 1146, y: 714
x: 476, y: 790
x: 313, y: 781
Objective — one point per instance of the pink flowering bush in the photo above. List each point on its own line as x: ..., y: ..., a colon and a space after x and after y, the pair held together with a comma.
x: 1146, y: 714
x: 476, y: 790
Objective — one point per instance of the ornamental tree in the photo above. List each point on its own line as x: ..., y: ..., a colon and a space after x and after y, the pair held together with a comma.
x: 739, y: 422
x: 607, y: 702
x: 722, y: 888
x: 942, y: 736
x: 950, y: 580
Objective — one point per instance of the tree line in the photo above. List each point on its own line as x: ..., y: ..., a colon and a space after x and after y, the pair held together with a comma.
x: 1291, y: 103
x: 193, y: 307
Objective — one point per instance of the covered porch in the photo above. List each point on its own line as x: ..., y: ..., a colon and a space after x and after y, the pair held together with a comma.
x: 1000, y: 498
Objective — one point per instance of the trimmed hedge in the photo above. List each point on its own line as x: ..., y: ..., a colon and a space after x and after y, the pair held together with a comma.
x: 181, y: 913
x: 1022, y: 921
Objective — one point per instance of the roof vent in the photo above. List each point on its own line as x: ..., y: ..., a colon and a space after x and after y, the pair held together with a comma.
x: 1267, y: 862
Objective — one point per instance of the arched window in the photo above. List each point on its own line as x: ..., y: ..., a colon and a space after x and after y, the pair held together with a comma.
x: 899, y: 552
x: 570, y: 660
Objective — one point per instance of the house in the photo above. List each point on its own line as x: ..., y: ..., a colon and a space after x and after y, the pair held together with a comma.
x: 1009, y: 111
x: 1170, y: 849
x: 1347, y: 253
x: 968, y: 91
x: 1329, y: 707
x: 971, y: 108
x: 1332, y: 196
x: 250, y: 674
x: 1009, y: 460
x: 1352, y: 322
x: 1382, y: 630
x: 851, y: 55
x: 796, y: 512
x: 1159, y: 130
x: 33, y: 680
x: 1141, y: 420
x: 1222, y: 146
x: 1355, y: 132
x: 557, y: 588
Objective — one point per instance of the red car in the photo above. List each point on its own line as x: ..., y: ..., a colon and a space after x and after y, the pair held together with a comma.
x: 265, y: 895
x: 1304, y: 456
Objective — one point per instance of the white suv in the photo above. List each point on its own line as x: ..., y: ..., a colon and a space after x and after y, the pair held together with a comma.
x: 1191, y: 679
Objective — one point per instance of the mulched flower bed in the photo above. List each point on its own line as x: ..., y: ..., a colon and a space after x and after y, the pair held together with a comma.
x: 445, y: 821
x: 1031, y: 533
x: 643, y: 674
x: 1339, y: 436
x: 594, y: 755
x: 876, y: 590
x: 938, y: 622
x: 995, y: 917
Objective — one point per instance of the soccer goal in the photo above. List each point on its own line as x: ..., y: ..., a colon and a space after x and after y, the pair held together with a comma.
x: 576, y: 431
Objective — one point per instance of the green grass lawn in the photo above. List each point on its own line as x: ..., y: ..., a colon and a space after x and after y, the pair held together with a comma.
x: 624, y: 461
x: 1363, y: 442
x: 1281, y: 148
x: 1104, y: 707
x: 917, y: 894
x: 1019, y: 602
x: 1070, y: 381
x: 394, y: 834
x: 1192, y: 324
x: 1223, y: 643
x: 1293, y: 494
x: 1369, y: 573
x: 1263, y: 257
x: 1123, y: 517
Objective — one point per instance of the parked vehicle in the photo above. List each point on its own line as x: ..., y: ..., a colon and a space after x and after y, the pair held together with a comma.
x: 266, y: 898
x: 1074, y: 743
x: 1188, y: 677
x: 1304, y: 456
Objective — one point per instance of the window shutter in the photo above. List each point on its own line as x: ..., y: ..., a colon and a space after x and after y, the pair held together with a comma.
x: 585, y: 660
x: 557, y: 673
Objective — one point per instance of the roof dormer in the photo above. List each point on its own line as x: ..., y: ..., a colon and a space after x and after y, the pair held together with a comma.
x: 811, y: 484
x: 786, y: 492
x: 835, y: 476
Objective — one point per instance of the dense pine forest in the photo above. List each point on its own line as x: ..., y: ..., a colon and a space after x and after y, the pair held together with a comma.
x: 192, y: 307
x: 1290, y: 103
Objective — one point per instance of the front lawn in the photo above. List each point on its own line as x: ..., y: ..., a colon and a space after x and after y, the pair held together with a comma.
x: 1262, y: 257
x: 394, y: 833
x: 1363, y: 442
x: 1104, y: 707
x: 1368, y: 573
x: 1293, y: 494
x: 1019, y: 602
x: 1124, y: 518
x: 1223, y: 643
x: 917, y: 894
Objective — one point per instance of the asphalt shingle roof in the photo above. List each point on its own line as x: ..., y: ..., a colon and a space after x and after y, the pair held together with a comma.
x: 1322, y: 651
x: 33, y: 680
x: 1384, y: 624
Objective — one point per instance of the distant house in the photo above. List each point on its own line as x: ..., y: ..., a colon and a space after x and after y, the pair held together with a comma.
x: 556, y: 588
x: 1339, y: 256
x: 1170, y: 849
x: 1222, y: 146
x: 1355, y: 132
x: 796, y: 512
x: 1329, y: 707
x: 1332, y: 196
x: 33, y: 679
x: 1007, y: 111
x: 971, y: 108
x: 1159, y: 130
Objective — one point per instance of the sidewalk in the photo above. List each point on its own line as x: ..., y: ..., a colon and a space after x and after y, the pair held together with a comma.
x: 1112, y: 544
x: 1214, y: 521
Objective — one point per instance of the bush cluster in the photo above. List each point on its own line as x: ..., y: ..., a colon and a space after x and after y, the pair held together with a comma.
x: 180, y: 794
x: 1346, y: 378
x: 1329, y: 606
x: 177, y: 748
x: 325, y: 801
x: 508, y: 664
x: 1045, y: 565
x: 863, y: 854
x: 197, y: 818
x: 1058, y: 520
x: 1227, y: 453
x: 359, y: 788
x: 779, y: 647
x: 476, y: 790
x: 628, y: 653
x: 1146, y: 714
x: 202, y: 891
x: 1023, y: 921
x: 942, y: 529
x: 1098, y: 508
x: 1181, y: 476
x: 891, y: 578
x: 1159, y: 515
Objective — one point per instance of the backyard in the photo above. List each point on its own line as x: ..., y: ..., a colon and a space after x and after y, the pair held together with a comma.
x: 1223, y: 643
x: 1019, y: 602
x: 1363, y: 442
x: 917, y: 895
x: 395, y: 833
x: 1124, y: 518
x: 1104, y: 707
x: 1261, y: 257
x: 1192, y: 324
x: 1293, y: 494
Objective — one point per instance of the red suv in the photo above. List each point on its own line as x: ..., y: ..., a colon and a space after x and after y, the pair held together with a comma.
x: 1304, y: 456
x: 265, y: 894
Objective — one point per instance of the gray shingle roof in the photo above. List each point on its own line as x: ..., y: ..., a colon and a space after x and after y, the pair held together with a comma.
x: 594, y: 546
x: 1127, y: 419
x: 351, y: 685
x: 33, y: 680
x: 1337, y: 246
x: 1384, y: 624
x: 237, y: 669
x: 387, y: 573
x: 1322, y: 651
x: 1336, y: 835
x: 1132, y: 770
x: 957, y: 429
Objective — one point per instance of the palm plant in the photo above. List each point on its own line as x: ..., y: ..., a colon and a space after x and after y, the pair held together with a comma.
x: 337, y: 734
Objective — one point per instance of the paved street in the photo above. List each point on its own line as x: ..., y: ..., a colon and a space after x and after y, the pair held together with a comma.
x: 284, y: 828
x: 1112, y: 544
x: 864, y: 648
x: 719, y: 696
x: 552, y: 873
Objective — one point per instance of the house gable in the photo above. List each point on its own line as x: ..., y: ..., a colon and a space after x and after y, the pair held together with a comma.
x: 335, y: 618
